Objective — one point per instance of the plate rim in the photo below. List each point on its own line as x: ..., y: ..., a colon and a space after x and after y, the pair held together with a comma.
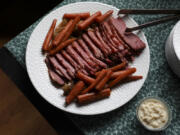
x: 74, y: 112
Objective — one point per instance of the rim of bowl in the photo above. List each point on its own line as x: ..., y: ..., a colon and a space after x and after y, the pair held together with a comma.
x: 176, y: 39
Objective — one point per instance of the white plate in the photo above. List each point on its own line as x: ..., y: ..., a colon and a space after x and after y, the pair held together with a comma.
x: 38, y: 74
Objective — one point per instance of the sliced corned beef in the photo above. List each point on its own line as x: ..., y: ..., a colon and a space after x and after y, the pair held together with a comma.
x: 99, y: 36
x: 83, y: 54
x: 69, y: 68
x: 78, y: 58
x: 58, y: 67
x: 90, y: 54
x: 55, y: 77
x: 97, y: 53
x: 97, y: 42
x: 134, y: 41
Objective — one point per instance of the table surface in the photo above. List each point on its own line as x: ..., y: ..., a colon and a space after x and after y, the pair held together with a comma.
x: 161, y: 81
x: 18, y: 113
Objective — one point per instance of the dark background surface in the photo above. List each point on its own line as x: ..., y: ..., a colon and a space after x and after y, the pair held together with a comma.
x: 16, y: 15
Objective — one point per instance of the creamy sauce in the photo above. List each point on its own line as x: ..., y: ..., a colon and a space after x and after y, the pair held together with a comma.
x: 153, y: 113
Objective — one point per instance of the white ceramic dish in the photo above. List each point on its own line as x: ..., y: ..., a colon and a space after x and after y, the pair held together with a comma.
x: 172, y: 49
x: 38, y: 74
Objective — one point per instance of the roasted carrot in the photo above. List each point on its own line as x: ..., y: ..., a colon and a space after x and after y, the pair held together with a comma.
x: 61, y: 46
x: 97, y: 80
x: 102, y: 83
x: 118, y: 73
x: 84, y: 77
x: 88, y: 21
x: 91, y: 97
x: 119, y: 67
x: 121, y: 77
x: 115, y: 68
x: 74, y: 92
x: 103, y: 17
x: 74, y: 15
x: 133, y: 78
x: 69, y: 32
x: 59, y: 38
x: 49, y: 36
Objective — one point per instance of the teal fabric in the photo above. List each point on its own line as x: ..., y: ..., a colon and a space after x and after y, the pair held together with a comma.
x: 161, y: 81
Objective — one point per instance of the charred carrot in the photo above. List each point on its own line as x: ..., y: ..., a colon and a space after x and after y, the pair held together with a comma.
x: 88, y: 21
x: 49, y: 36
x: 74, y: 15
x: 121, y: 77
x: 59, y: 38
x: 103, y: 17
x: 102, y: 83
x: 84, y: 77
x: 69, y: 32
x: 97, y: 80
x: 91, y: 97
x: 61, y: 46
x: 74, y: 92
x: 115, y: 68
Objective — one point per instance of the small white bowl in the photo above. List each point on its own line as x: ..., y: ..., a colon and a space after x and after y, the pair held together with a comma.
x: 168, y: 111
x: 172, y: 49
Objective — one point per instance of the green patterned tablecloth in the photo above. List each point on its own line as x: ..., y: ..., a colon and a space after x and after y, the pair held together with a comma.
x: 161, y: 81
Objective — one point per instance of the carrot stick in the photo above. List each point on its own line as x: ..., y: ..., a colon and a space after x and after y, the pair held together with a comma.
x: 91, y: 97
x: 102, y: 83
x: 118, y: 67
x: 118, y: 73
x: 115, y: 68
x: 121, y: 77
x: 89, y: 21
x: 59, y: 38
x: 133, y: 78
x: 101, y: 18
x: 97, y: 80
x: 49, y: 36
x: 74, y: 15
x: 69, y: 32
x: 74, y: 92
x: 84, y: 77
x: 61, y: 46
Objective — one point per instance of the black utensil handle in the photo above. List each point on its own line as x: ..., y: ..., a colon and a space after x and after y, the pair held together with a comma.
x: 148, y: 11
x: 152, y: 23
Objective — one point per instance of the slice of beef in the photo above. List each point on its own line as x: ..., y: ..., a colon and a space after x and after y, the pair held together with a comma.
x: 109, y: 37
x: 70, y: 60
x: 83, y: 54
x: 131, y: 39
x: 108, y: 29
x: 114, y: 50
x: 119, y: 25
x: 75, y: 56
x: 116, y: 34
x: 99, y: 36
x: 114, y: 43
x: 58, y: 67
x: 49, y: 65
x: 90, y: 54
x: 97, y: 53
x: 134, y: 41
x: 53, y: 75
x: 97, y: 42
x: 69, y: 68
x: 79, y: 60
